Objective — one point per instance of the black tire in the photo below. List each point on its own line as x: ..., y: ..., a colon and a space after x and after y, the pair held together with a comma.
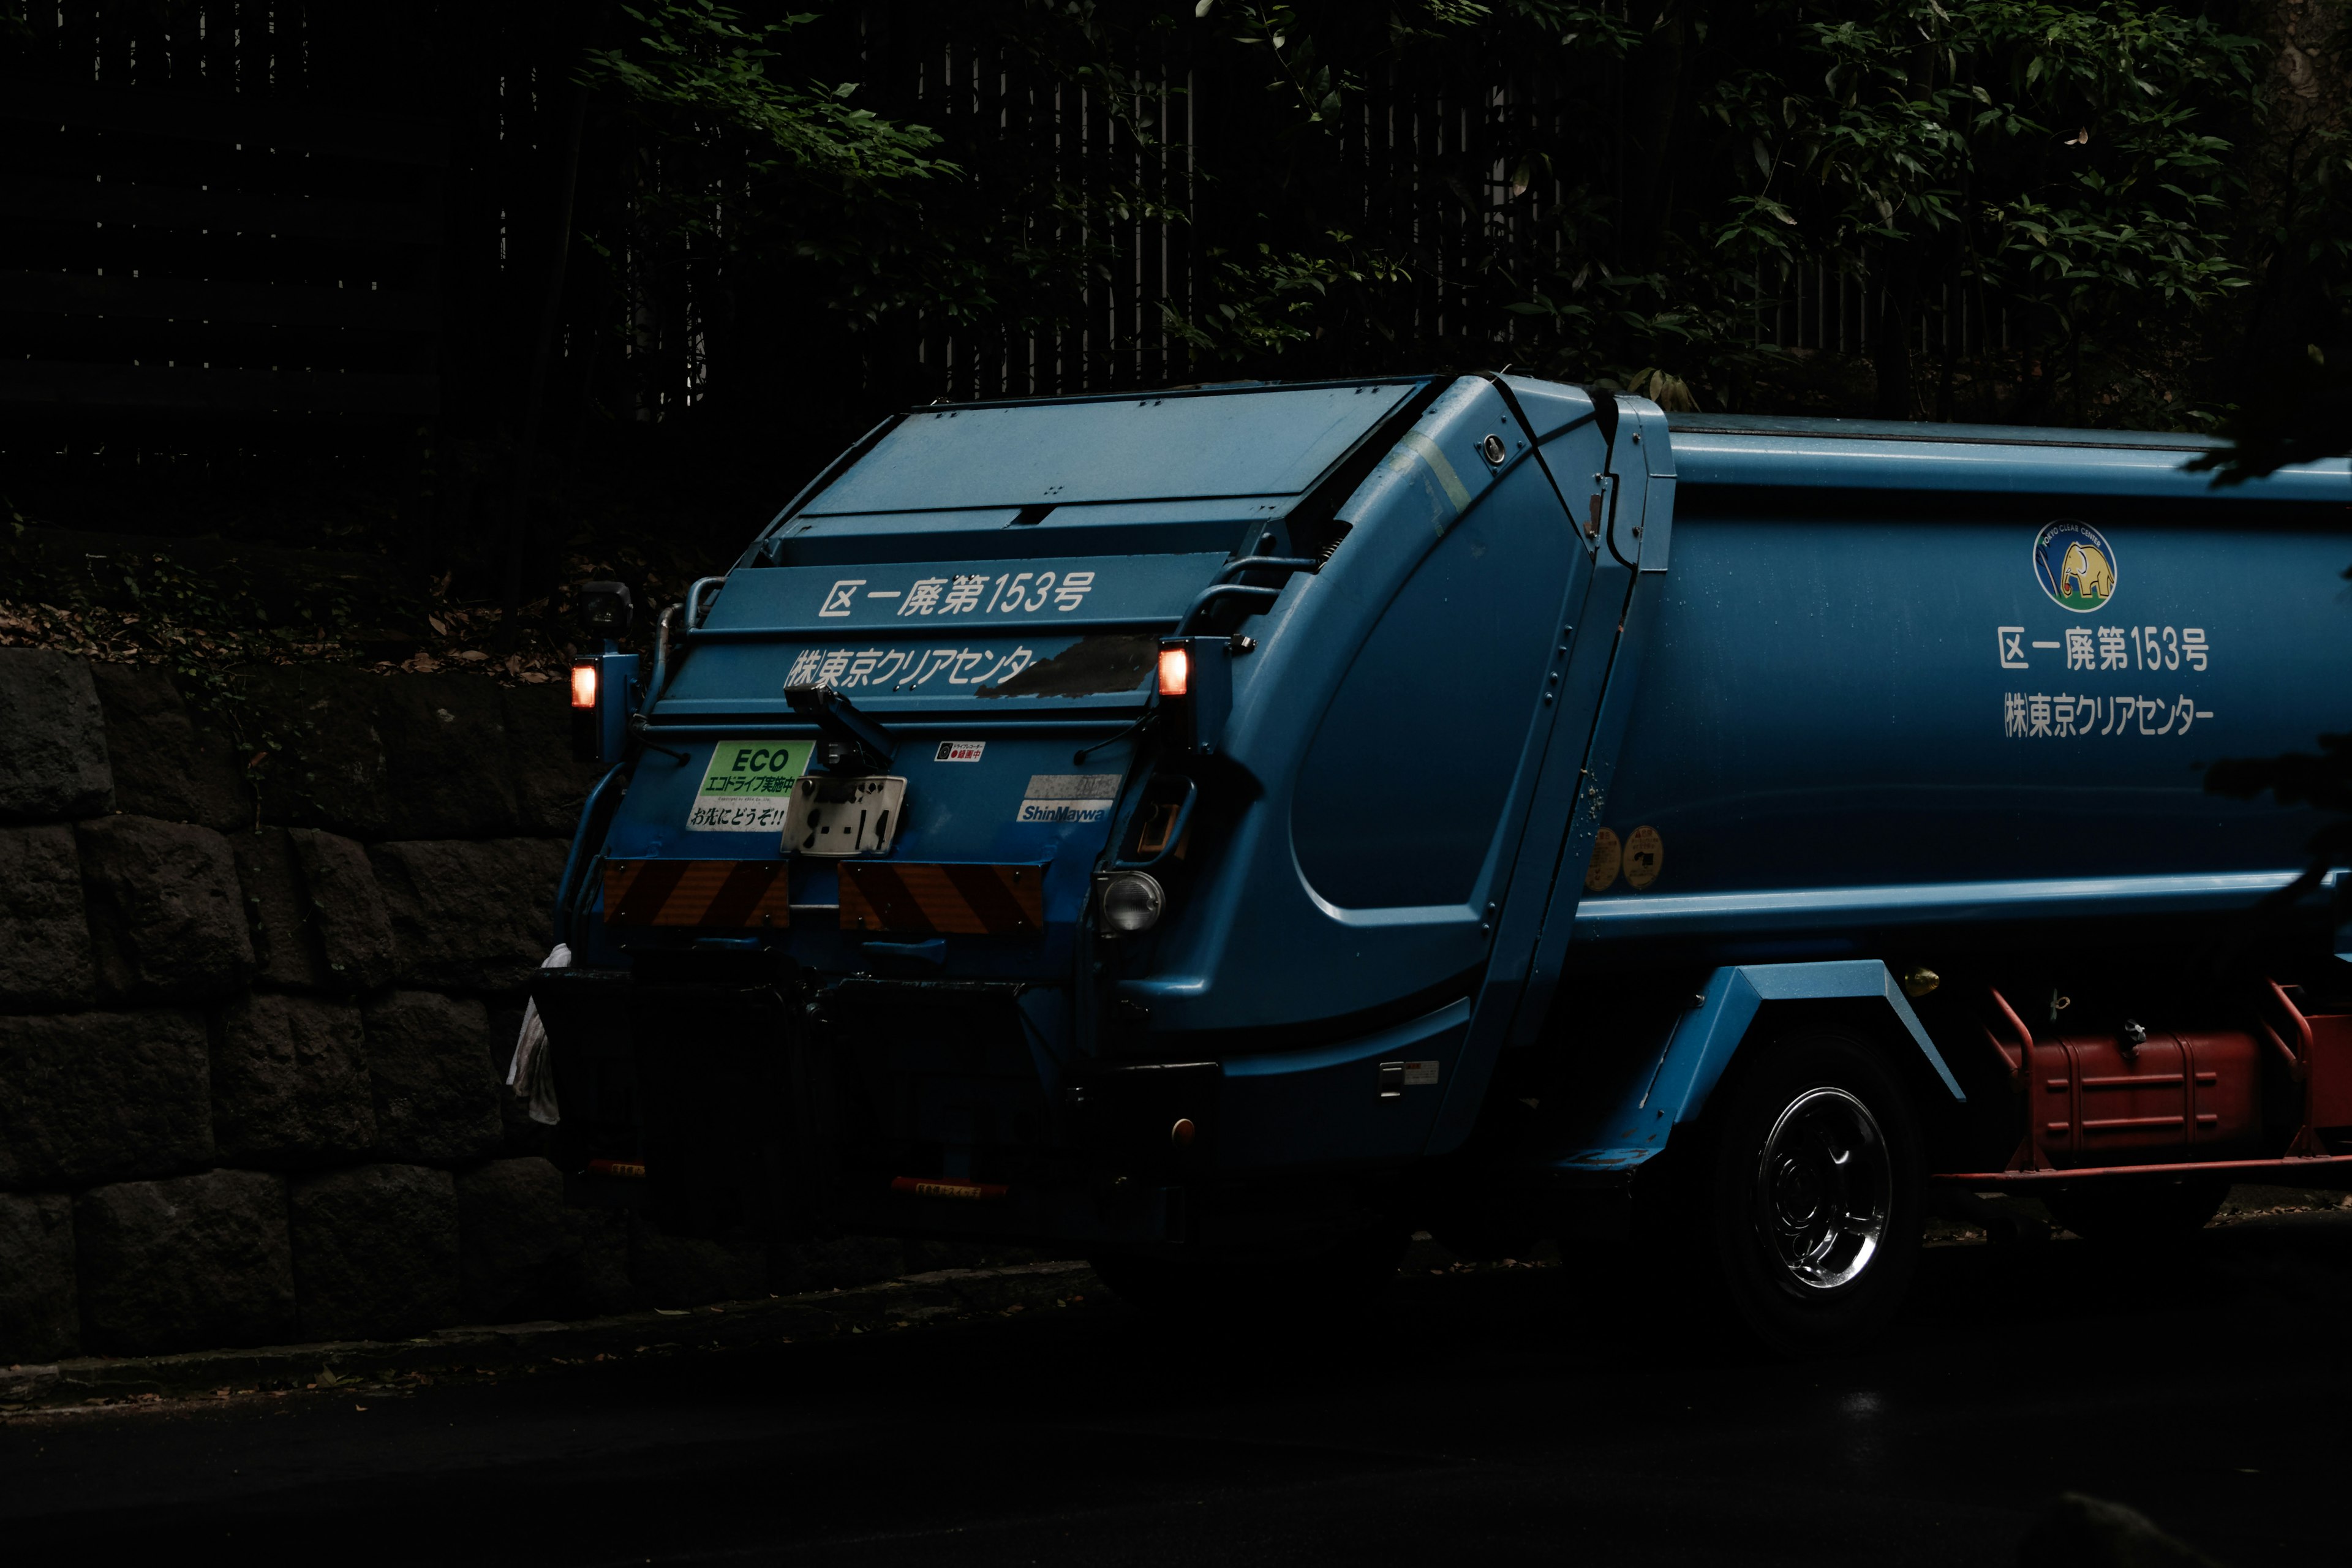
x: 1810, y: 1213
x: 1342, y: 1274
x: 2140, y: 1213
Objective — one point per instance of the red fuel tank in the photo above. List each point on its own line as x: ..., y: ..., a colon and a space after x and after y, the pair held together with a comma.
x: 2100, y: 1100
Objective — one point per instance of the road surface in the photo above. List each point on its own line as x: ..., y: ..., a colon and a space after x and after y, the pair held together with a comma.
x: 1520, y: 1414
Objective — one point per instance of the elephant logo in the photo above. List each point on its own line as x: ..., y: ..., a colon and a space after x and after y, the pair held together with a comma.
x: 2074, y: 564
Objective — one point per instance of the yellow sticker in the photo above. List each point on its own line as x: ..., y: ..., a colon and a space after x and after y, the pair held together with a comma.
x: 1604, y: 869
x: 1645, y: 857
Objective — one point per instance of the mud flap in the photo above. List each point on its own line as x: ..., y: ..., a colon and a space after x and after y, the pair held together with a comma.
x: 707, y: 1088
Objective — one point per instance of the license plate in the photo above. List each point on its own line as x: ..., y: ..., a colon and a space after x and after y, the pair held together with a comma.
x: 836, y: 814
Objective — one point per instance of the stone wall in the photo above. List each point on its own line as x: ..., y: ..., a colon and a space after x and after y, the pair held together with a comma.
x: 255, y: 1018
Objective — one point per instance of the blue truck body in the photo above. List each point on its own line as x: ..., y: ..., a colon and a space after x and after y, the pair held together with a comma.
x: 1537, y: 745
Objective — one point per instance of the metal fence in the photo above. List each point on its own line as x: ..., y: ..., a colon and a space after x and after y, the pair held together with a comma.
x: 224, y: 217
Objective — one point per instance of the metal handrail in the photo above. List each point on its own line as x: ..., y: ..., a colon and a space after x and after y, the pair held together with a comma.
x: 651, y: 691
x: 2297, y: 1062
x: 1223, y: 588
x: 566, y: 896
x: 991, y: 723
x: 1269, y: 563
x: 2023, y: 1065
x: 1222, y: 591
x: 977, y: 628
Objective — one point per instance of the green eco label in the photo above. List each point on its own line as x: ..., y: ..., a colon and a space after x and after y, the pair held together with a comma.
x: 748, y: 785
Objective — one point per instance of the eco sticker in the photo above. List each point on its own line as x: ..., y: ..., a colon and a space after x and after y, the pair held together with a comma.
x: 1606, y: 857
x: 1645, y: 857
x: 2074, y: 564
x: 748, y: 786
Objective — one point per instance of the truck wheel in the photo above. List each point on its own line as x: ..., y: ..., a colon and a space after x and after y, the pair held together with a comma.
x: 2141, y: 1212
x: 1812, y: 1211
x: 1336, y: 1275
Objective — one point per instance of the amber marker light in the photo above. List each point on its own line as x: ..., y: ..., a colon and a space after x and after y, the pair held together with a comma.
x: 584, y: 685
x: 1175, y: 671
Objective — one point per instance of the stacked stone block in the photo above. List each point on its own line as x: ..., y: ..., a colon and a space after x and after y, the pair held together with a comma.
x: 255, y: 1014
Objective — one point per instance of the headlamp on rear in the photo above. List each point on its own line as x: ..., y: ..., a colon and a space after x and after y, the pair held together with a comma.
x: 1128, y: 903
x: 604, y: 609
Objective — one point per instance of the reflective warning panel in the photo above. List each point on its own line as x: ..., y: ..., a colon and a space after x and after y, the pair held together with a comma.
x: 949, y: 899
x: 697, y: 894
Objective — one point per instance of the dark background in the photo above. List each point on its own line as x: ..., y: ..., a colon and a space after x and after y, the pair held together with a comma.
x: 391, y: 281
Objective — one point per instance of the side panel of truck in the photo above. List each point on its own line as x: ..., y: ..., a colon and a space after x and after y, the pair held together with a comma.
x: 1863, y: 711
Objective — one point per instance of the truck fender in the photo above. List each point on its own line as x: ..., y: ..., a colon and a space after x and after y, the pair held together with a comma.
x: 1686, y: 1068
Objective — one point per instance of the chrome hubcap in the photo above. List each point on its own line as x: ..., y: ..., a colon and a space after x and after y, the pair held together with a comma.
x: 1823, y: 1190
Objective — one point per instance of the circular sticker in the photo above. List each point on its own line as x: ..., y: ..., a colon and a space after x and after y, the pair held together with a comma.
x: 1645, y: 857
x: 2074, y: 564
x: 1603, y: 870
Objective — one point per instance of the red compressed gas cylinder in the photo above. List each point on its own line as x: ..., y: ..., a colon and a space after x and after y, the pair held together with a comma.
x: 2097, y: 1100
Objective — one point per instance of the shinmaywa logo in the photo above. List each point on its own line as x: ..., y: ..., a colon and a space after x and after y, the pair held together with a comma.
x: 2074, y: 564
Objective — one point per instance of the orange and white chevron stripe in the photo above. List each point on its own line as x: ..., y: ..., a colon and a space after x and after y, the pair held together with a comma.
x: 949, y: 899
x: 755, y: 893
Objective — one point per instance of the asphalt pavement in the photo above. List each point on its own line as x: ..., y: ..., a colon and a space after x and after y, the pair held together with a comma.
x: 1509, y: 1413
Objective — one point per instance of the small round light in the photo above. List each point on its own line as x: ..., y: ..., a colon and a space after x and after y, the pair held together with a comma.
x: 1131, y: 902
x: 1183, y: 1133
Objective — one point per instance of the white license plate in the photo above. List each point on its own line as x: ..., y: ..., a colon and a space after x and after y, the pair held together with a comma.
x: 837, y: 813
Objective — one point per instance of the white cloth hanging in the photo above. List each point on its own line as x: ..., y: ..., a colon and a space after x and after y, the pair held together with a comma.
x: 533, y: 1074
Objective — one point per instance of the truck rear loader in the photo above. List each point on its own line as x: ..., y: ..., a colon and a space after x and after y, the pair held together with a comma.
x: 1262, y: 821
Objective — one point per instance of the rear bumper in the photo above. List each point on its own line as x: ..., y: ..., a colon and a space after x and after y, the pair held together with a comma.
x: 792, y: 1106
x: 785, y: 1111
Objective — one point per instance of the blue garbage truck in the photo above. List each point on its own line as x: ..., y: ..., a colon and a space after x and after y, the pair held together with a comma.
x: 1262, y: 821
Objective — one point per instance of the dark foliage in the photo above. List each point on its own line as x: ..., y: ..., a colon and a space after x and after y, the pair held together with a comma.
x: 686, y: 249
